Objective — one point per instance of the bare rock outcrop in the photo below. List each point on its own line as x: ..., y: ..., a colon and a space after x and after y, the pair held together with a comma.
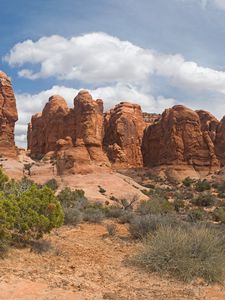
x: 220, y: 142
x: 180, y: 138
x: 209, y: 123
x: 151, y: 118
x: 48, y: 127
x: 124, y: 126
x: 89, y: 125
x: 8, y: 117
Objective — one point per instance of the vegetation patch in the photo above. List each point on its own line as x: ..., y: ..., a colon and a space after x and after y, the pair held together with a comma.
x: 186, y: 254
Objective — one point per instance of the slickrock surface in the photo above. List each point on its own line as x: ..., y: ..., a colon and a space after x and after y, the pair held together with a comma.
x: 180, y: 138
x: 8, y: 116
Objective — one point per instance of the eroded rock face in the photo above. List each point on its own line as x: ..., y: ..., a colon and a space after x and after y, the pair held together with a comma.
x: 48, y: 127
x: 220, y: 142
x: 89, y: 125
x: 151, y: 118
x: 84, y: 137
x: 124, y: 126
x: 209, y: 123
x: 8, y: 116
x: 181, y: 138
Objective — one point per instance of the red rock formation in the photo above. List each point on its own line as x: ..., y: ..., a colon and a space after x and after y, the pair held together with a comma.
x: 124, y: 126
x: 48, y: 127
x: 178, y: 139
x: 8, y: 116
x: 220, y: 142
x: 150, y: 118
x: 209, y: 123
x: 89, y: 125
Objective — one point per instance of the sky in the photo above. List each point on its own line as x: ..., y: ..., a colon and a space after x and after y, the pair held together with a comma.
x: 157, y: 53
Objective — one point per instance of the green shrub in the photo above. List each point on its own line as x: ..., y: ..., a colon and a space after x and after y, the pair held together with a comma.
x: 202, y: 185
x: 16, y: 188
x: 114, y: 212
x: 126, y: 217
x: 70, y: 199
x: 3, y: 179
x: 9, y: 213
x: 93, y: 215
x: 39, y: 213
x: 111, y: 229
x: 72, y: 216
x: 178, y: 204
x: 141, y: 226
x: 187, y: 182
x: 219, y: 214
x: 4, y: 247
x: 204, y: 200
x: 52, y: 184
x: 197, y: 215
x: 155, y: 206
x: 186, y: 254
x: 220, y: 187
x: 41, y: 246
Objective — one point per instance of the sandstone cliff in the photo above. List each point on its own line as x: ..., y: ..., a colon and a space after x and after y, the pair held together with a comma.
x: 181, y: 137
x: 8, y: 116
x: 124, y: 127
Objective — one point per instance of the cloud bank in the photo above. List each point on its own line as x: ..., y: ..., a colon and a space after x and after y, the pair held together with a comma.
x: 120, y: 69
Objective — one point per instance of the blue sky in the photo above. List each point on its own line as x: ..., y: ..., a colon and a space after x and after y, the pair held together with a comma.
x: 153, y: 52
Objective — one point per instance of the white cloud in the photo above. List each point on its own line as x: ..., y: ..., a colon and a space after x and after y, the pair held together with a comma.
x: 189, y: 74
x: 101, y: 58
x: 29, y: 104
x: 94, y: 57
x: 122, y: 71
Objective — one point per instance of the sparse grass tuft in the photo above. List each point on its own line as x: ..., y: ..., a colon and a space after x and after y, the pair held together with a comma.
x: 186, y: 254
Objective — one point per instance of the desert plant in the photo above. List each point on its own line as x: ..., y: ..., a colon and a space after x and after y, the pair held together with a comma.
x: 69, y: 198
x: 52, y: 184
x: 185, y: 254
x: 196, y: 215
x: 114, y: 212
x: 202, y: 185
x: 141, y: 226
x: 178, y: 205
x: 40, y: 246
x: 93, y: 215
x: 126, y: 216
x: 4, y: 247
x: 219, y: 214
x: 72, y: 216
x: 156, y: 205
x: 187, y: 182
x: 111, y: 229
x: 3, y: 179
x: 204, y: 200
x: 39, y: 213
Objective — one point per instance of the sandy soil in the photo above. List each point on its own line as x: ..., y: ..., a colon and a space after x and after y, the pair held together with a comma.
x: 88, y: 264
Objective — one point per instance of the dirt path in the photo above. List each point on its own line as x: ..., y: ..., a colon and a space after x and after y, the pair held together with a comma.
x: 87, y: 264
